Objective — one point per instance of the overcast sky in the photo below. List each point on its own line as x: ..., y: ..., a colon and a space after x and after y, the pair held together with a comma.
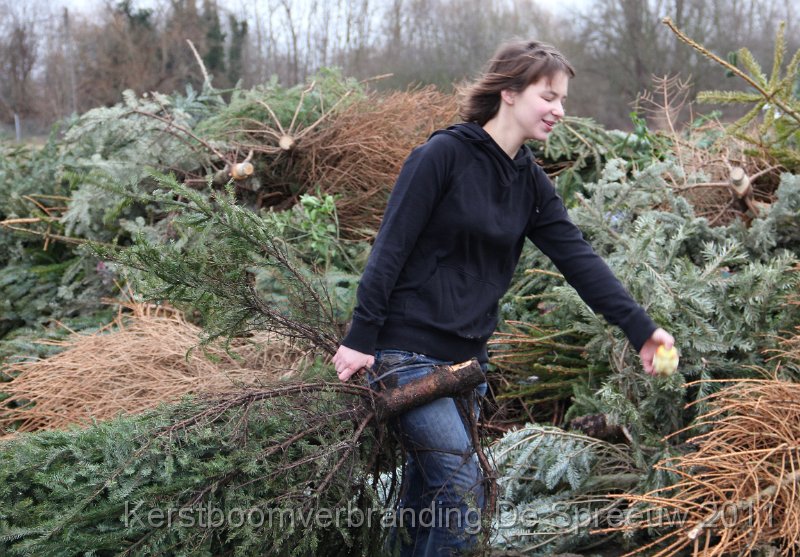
x: 87, y: 6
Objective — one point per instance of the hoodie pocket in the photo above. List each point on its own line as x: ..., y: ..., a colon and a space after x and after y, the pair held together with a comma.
x: 455, y: 301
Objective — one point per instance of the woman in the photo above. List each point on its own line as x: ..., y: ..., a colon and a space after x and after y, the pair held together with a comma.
x: 451, y: 236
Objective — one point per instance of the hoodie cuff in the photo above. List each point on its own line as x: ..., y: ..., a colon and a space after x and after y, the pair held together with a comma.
x: 638, y: 328
x: 362, y: 336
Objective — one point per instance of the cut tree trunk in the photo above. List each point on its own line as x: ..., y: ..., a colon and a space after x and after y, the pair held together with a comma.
x: 445, y: 381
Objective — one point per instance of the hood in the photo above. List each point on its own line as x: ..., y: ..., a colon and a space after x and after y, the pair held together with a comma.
x: 507, y: 169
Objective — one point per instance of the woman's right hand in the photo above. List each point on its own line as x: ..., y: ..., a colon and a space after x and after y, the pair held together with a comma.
x: 348, y: 361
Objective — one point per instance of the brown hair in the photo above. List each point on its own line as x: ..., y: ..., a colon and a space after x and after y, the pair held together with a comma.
x: 514, y: 66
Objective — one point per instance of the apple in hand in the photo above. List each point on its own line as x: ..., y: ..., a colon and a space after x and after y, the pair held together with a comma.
x: 665, y: 361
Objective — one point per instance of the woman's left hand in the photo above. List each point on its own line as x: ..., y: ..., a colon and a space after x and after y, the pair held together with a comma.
x: 648, y: 351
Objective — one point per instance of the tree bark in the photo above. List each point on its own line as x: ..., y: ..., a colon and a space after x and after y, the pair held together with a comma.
x: 445, y: 381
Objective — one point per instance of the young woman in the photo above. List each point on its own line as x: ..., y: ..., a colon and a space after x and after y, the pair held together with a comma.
x: 451, y: 236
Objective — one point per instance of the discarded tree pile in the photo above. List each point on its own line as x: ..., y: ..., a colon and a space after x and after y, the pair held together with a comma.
x: 286, y: 465
x: 554, y: 488
x: 290, y: 469
x: 722, y: 176
x: 737, y: 489
x: 750, y: 153
x: 225, y: 253
x: 721, y: 289
x: 330, y: 137
x: 76, y: 188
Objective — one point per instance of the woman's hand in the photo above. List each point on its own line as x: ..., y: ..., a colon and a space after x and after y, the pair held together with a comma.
x: 348, y: 361
x: 648, y: 351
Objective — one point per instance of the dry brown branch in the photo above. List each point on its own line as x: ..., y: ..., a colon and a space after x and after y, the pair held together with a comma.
x: 786, y: 353
x: 12, y: 224
x: 664, y: 106
x: 43, y: 224
x: 358, y: 154
x: 199, y: 59
x: 147, y: 358
x: 740, y: 489
x: 152, y: 356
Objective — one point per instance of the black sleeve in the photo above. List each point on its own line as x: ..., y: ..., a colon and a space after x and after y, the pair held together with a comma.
x: 559, y: 239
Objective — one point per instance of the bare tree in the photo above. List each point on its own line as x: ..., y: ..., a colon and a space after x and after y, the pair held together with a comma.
x: 294, y: 47
x: 19, y: 46
x: 69, y: 58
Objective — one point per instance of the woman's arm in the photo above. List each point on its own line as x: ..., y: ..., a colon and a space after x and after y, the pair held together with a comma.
x: 559, y: 239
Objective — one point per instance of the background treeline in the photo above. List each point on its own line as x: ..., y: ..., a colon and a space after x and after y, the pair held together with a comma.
x: 55, y: 62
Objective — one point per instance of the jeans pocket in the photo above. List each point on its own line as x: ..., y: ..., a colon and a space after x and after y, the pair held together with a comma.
x: 394, y: 358
x: 387, y: 364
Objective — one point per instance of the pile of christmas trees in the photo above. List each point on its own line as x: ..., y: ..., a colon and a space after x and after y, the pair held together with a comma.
x: 253, y: 213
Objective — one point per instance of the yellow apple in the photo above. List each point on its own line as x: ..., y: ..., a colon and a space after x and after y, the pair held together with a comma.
x: 665, y: 361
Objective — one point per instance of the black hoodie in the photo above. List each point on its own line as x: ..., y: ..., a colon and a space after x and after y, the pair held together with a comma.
x: 450, y: 240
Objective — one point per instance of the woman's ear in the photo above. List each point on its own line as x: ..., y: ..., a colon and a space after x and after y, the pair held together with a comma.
x: 508, y: 96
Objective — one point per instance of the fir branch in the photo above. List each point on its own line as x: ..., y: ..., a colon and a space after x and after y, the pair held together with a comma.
x: 768, y: 96
x: 777, y: 59
x: 752, y: 66
x: 725, y: 97
x: 218, y: 273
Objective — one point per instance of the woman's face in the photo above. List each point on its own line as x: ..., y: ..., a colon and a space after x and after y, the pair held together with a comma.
x: 538, y: 107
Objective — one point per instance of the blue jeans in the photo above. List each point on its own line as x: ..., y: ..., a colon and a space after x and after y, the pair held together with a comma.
x: 442, y: 490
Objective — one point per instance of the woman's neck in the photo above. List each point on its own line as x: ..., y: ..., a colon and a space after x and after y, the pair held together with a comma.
x: 508, y: 141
